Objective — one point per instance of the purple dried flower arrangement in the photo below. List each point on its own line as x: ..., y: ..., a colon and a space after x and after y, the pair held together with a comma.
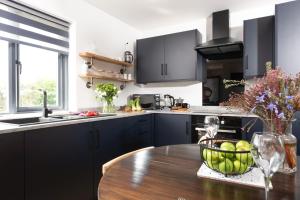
x: 274, y: 98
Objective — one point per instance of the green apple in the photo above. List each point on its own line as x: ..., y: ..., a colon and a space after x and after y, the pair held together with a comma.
x: 245, y: 158
x: 243, y: 144
x: 210, y: 155
x: 227, y: 146
x: 213, y: 165
x: 239, y: 167
x: 226, y: 166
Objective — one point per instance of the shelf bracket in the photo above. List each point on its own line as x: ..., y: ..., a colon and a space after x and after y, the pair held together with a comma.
x: 90, y: 63
x: 123, y: 70
x: 122, y: 86
x: 90, y: 83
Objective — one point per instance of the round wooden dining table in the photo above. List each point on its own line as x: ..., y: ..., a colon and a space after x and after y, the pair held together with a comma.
x: 170, y: 172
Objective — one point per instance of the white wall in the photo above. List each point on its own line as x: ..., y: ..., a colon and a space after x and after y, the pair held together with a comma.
x: 191, y: 92
x: 94, y: 30
x: 91, y: 30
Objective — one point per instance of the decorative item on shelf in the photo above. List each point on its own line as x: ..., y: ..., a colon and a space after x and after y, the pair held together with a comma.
x: 228, y: 157
x: 129, y: 77
x: 87, y: 73
x: 128, y: 57
x: 274, y: 98
x: 106, y: 93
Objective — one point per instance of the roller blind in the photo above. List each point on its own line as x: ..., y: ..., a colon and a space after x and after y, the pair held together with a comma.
x: 22, y: 24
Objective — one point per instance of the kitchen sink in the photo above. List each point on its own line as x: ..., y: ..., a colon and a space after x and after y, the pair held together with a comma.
x: 31, y: 120
x: 50, y: 119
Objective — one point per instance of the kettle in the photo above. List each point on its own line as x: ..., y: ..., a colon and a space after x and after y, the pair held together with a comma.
x: 170, y: 101
x: 128, y: 57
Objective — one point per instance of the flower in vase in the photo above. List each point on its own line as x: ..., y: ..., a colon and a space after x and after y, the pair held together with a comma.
x: 274, y: 96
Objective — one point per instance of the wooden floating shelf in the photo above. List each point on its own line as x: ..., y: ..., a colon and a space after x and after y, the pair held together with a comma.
x: 90, y: 76
x: 103, y: 58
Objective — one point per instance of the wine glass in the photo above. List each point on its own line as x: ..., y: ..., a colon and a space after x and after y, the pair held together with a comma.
x: 211, y: 125
x: 268, y: 153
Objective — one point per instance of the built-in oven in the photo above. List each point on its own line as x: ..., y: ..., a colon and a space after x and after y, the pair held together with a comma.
x: 229, y: 128
x: 148, y: 101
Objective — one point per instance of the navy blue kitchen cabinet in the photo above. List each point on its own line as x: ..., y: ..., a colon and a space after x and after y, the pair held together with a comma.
x: 170, y: 58
x: 287, y: 31
x: 296, y: 130
x: 119, y: 136
x: 172, y: 129
x: 258, y: 45
x: 12, y: 166
x: 138, y: 133
x: 249, y: 127
x: 59, y: 163
x: 150, y: 60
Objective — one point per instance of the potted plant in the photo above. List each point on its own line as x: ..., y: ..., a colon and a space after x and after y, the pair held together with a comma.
x: 274, y: 98
x: 106, y: 93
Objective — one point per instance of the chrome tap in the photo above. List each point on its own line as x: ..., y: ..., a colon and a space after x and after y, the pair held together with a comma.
x: 46, y: 111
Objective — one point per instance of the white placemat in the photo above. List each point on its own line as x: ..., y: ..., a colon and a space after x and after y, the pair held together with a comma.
x: 253, y: 178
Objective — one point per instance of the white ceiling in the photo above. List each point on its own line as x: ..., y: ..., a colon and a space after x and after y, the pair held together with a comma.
x: 151, y: 14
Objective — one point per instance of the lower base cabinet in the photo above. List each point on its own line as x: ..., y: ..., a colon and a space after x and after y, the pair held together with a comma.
x: 59, y: 163
x: 296, y: 130
x: 171, y: 129
x: 119, y: 136
x: 65, y: 162
x: 12, y: 166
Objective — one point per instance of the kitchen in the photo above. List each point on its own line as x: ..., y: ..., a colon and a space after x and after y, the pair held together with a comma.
x: 162, y: 58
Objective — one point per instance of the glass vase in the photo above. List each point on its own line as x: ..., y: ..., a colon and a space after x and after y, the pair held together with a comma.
x: 108, y: 107
x: 284, y: 129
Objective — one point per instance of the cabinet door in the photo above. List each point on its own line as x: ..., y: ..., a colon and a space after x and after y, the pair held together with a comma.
x: 287, y: 31
x: 12, y: 166
x: 250, y: 128
x: 266, y: 43
x: 109, y: 144
x: 172, y: 129
x: 138, y: 132
x: 258, y: 45
x: 59, y: 163
x: 119, y: 136
x: 250, y: 48
x: 180, y: 56
x: 150, y: 60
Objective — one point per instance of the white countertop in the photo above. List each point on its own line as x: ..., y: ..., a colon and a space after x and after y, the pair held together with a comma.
x: 9, y: 128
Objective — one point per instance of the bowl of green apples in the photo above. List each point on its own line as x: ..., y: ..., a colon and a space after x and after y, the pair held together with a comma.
x: 229, y: 157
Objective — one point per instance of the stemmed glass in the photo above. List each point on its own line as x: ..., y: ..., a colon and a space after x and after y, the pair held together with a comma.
x: 211, y: 124
x: 268, y: 153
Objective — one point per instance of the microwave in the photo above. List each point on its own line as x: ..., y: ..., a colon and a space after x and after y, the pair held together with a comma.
x: 148, y: 101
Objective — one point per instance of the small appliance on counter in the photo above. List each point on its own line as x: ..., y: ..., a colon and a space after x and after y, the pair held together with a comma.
x: 169, y: 101
x: 148, y: 101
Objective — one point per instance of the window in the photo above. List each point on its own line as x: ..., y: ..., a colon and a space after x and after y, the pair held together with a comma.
x: 4, y: 76
x: 33, y: 57
x: 39, y: 71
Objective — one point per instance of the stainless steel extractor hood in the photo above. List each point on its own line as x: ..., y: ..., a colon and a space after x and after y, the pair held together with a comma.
x: 222, y: 46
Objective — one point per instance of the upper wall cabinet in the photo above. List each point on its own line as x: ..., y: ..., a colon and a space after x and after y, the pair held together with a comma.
x: 170, y: 58
x: 287, y: 36
x: 258, y: 45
